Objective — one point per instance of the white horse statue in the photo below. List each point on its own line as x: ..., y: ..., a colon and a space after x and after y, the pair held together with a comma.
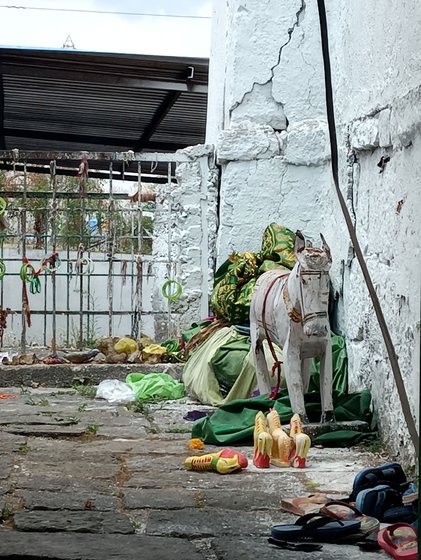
x: 291, y: 309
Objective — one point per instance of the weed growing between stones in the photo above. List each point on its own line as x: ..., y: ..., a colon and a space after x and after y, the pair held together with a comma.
x: 71, y: 420
x: 6, y: 513
x: 24, y: 448
x: 91, y: 429
x: 42, y: 402
x: 88, y: 391
x: 311, y: 485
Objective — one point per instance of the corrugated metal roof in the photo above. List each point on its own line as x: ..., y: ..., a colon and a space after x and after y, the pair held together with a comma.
x: 73, y: 101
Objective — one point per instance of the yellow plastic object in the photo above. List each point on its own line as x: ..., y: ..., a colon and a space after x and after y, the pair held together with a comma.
x: 302, y: 443
x: 282, y: 444
x: 196, y: 443
x: 262, y: 442
x: 211, y: 463
x: 126, y: 345
x: 153, y: 353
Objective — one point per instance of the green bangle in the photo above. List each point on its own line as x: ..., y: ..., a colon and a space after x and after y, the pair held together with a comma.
x: 3, y: 206
x: 23, y: 273
x: 166, y: 290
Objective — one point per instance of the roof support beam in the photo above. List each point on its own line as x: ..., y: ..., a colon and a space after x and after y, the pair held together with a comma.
x: 157, y: 118
x: 82, y: 139
x: 88, y: 76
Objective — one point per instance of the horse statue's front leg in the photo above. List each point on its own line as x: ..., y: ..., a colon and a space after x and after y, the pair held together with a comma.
x: 326, y: 383
x: 294, y: 378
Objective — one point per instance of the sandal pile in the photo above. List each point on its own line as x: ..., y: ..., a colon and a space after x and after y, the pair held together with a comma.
x: 379, y: 495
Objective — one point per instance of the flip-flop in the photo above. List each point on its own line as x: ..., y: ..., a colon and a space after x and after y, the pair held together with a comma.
x: 384, y: 503
x: 345, y: 512
x: 304, y: 504
x: 400, y: 541
x: 315, y: 527
x: 390, y: 474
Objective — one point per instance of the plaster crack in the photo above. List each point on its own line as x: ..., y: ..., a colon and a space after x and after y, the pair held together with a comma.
x: 299, y: 16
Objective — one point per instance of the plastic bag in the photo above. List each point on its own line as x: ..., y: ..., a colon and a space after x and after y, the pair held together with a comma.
x: 155, y: 386
x: 115, y: 391
x: 126, y: 345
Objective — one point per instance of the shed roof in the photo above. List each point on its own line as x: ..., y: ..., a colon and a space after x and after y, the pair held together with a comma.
x: 65, y: 100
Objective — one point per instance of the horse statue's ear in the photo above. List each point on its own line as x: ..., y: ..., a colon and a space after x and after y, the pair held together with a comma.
x: 326, y: 248
x: 299, y: 242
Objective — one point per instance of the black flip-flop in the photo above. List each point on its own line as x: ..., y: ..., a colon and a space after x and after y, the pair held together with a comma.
x: 304, y: 547
x: 316, y: 527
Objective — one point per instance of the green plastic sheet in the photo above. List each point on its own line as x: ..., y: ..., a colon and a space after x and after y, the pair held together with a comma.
x: 155, y: 386
x: 203, y: 366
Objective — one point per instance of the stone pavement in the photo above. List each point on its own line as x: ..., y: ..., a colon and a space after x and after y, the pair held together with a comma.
x: 83, y: 479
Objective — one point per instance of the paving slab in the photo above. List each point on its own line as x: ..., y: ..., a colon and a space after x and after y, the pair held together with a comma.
x: 68, y: 546
x: 76, y: 522
x: 153, y: 498
x: 79, y: 500
x: 207, y: 522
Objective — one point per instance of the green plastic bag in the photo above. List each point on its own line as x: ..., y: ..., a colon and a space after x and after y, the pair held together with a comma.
x: 227, y: 362
x: 155, y: 386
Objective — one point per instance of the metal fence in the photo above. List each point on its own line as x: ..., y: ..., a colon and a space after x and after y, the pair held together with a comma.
x: 75, y: 252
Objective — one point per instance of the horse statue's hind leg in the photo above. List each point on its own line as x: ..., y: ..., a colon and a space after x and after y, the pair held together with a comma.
x: 262, y: 372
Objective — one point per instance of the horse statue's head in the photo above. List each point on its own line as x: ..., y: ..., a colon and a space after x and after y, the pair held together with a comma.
x: 312, y: 270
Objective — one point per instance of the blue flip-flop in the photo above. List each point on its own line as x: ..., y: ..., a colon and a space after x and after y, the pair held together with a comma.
x: 390, y: 474
x: 316, y: 527
x: 384, y: 503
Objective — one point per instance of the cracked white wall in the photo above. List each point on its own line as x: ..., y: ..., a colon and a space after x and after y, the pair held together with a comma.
x: 267, y: 119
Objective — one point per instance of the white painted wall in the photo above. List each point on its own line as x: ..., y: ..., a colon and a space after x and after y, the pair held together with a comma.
x: 267, y: 118
x: 184, y: 234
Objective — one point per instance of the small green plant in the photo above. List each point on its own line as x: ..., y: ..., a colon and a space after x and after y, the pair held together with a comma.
x: 82, y: 407
x: 311, y: 485
x: 71, y: 420
x: 141, y: 407
x: 88, y: 391
x: 6, y: 513
x: 91, y: 429
x: 42, y: 402
x: 24, y: 448
x: 153, y: 430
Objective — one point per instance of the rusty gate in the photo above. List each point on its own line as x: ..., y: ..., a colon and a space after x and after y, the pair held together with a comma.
x: 76, y: 249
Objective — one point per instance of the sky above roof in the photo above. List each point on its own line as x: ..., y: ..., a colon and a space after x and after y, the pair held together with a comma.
x: 104, y: 32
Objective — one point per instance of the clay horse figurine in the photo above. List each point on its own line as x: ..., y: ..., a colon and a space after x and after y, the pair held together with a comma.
x: 292, y: 309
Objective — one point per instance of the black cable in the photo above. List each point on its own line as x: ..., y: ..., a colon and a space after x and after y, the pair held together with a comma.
x: 102, y: 12
x: 406, y: 409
